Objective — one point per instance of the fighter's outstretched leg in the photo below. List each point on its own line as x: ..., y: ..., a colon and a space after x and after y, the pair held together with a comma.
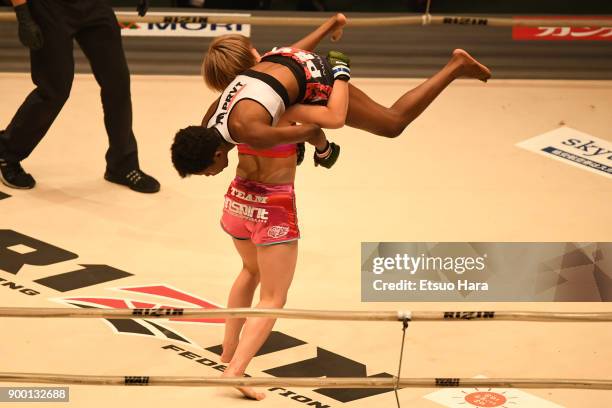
x: 366, y: 114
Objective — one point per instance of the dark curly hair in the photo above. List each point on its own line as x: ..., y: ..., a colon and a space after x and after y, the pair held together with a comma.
x: 194, y: 148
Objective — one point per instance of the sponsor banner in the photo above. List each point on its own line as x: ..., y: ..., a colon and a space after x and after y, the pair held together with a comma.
x: 573, y: 147
x: 486, y: 271
x: 563, y: 33
x: 489, y: 398
x: 184, y: 25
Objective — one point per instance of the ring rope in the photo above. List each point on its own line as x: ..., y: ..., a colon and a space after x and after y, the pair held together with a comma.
x: 424, y: 316
x: 308, y: 382
x: 424, y: 19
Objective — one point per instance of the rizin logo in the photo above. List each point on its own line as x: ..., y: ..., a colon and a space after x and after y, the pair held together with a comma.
x: 146, y: 327
x: 277, y: 231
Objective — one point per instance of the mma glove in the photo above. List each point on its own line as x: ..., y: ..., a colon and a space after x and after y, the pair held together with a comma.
x: 30, y: 34
x: 328, y: 156
x: 340, y: 65
x: 300, y: 151
x: 142, y: 6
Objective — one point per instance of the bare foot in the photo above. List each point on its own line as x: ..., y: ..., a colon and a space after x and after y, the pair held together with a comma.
x: 228, y: 351
x: 340, y: 23
x: 248, y: 392
x: 469, y: 67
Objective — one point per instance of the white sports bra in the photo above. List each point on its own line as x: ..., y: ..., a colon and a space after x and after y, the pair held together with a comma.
x: 257, y: 86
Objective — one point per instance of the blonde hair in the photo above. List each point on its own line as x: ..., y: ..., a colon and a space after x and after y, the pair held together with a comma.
x: 227, y: 57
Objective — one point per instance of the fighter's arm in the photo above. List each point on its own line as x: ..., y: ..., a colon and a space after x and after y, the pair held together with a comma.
x: 264, y: 136
x: 260, y: 135
x: 332, y: 26
x: 331, y: 116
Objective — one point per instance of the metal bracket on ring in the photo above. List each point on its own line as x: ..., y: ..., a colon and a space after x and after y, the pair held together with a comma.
x: 405, y: 320
x: 404, y: 315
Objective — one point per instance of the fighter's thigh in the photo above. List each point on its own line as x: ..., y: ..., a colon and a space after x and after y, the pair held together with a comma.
x: 277, y: 266
x: 248, y: 254
x: 366, y: 114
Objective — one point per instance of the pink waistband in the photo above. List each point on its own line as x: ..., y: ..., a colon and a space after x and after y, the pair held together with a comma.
x: 284, y: 150
x: 257, y: 187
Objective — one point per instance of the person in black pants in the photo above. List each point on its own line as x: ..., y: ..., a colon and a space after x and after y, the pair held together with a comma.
x: 48, y: 28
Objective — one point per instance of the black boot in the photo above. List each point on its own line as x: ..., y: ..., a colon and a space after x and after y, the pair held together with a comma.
x: 14, y: 176
x: 135, y: 179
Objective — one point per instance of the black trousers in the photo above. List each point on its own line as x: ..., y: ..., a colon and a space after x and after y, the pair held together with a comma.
x: 94, y: 26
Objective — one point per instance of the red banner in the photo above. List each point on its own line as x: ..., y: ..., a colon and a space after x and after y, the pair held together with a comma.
x: 563, y: 33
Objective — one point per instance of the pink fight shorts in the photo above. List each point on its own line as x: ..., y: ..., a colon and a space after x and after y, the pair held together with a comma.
x: 263, y: 213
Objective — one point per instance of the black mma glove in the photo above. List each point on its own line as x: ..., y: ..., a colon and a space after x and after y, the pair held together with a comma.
x: 328, y: 156
x: 300, y: 151
x: 142, y: 6
x: 340, y: 65
x: 29, y: 32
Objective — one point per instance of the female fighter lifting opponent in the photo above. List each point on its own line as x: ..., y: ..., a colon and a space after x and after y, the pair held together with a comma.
x: 259, y: 210
x: 299, y: 85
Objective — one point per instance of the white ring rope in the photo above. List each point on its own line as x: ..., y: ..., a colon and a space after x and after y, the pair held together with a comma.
x: 309, y: 382
x: 415, y: 316
x: 390, y: 382
x: 424, y: 19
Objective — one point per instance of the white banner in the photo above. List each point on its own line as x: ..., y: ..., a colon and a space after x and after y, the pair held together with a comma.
x: 573, y: 147
x: 184, y: 25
